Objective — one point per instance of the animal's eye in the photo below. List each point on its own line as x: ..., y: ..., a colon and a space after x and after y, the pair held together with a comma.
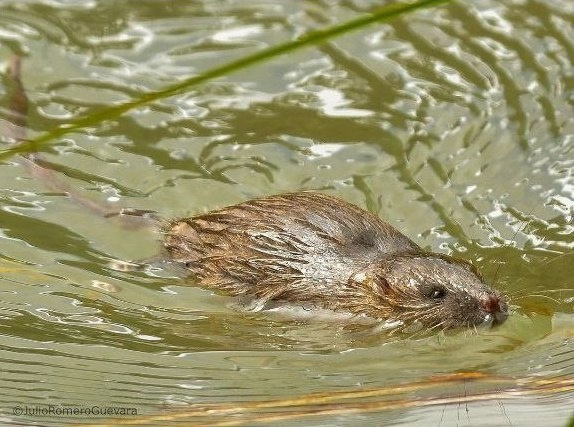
x: 437, y: 293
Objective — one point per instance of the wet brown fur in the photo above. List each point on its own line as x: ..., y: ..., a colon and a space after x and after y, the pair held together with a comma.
x: 306, y: 248
x: 314, y: 249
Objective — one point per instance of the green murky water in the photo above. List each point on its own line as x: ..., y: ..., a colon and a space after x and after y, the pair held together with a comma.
x: 456, y: 124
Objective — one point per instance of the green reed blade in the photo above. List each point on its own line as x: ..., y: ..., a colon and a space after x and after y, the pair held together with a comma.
x: 311, y: 38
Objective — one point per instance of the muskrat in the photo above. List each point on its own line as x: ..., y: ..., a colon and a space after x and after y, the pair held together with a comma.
x: 312, y: 249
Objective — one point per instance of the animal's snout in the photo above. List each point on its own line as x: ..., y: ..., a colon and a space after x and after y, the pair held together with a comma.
x: 490, y: 303
x: 495, y: 307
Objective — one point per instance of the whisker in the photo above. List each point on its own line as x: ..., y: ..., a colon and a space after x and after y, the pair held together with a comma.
x: 556, y: 290
x: 540, y: 296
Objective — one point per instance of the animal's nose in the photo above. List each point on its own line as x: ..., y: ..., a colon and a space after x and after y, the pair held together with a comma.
x: 491, y: 304
x: 495, y: 307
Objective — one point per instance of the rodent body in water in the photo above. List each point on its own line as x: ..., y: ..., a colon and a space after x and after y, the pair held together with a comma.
x: 308, y: 248
x: 313, y: 249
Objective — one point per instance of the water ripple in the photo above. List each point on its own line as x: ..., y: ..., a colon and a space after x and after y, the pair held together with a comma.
x: 455, y: 124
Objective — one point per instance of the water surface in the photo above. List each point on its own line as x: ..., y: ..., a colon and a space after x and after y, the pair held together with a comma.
x: 455, y: 124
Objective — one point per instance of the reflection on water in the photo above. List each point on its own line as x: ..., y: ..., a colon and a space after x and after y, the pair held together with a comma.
x: 455, y: 124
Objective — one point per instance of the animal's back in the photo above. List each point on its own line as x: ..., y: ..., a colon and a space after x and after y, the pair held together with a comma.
x: 293, y: 247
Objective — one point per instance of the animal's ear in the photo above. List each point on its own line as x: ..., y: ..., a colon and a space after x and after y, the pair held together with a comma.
x: 360, y: 279
x: 381, y: 285
x: 363, y: 279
